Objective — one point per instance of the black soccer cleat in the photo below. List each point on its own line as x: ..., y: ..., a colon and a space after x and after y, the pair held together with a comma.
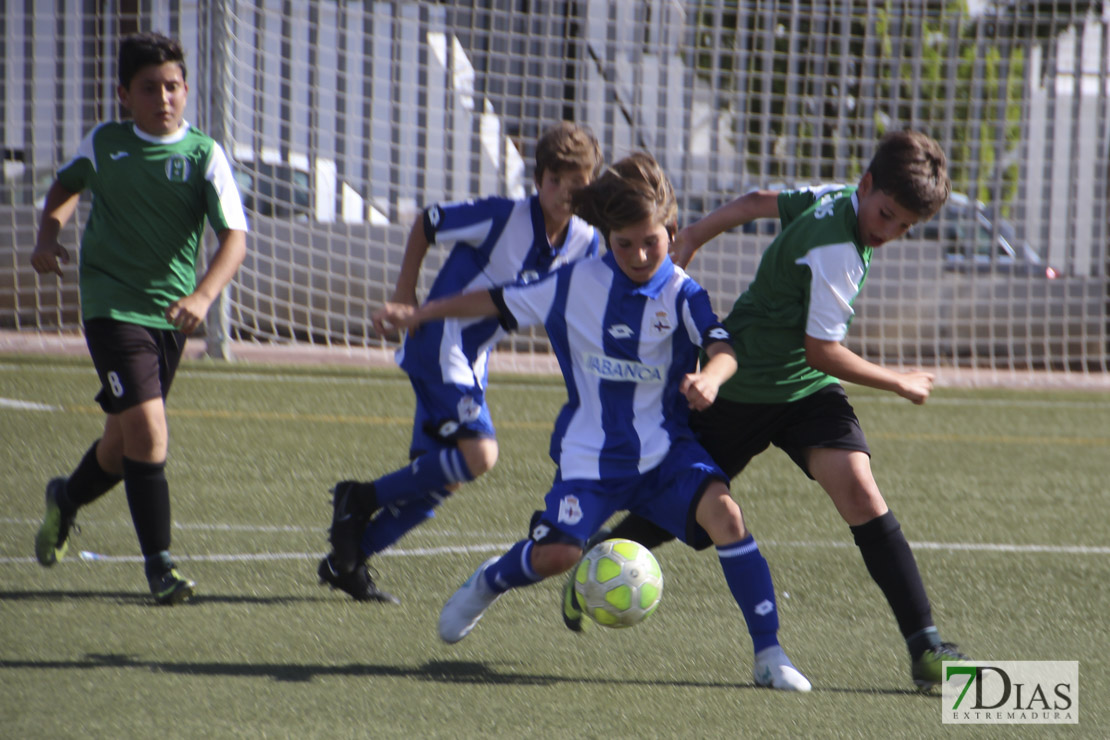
x: 348, y: 521
x: 356, y: 583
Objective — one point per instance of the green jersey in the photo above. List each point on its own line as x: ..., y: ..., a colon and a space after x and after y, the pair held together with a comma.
x: 150, y: 199
x: 806, y: 283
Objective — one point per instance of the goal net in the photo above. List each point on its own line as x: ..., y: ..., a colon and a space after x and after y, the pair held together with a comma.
x: 344, y: 120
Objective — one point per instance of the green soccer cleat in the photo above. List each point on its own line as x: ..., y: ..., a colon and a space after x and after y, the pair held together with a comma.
x: 170, y: 588
x: 927, y: 670
x: 572, y: 613
x: 52, y: 539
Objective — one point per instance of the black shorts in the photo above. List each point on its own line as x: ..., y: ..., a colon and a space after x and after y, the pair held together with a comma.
x: 135, y: 363
x: 733, y: 433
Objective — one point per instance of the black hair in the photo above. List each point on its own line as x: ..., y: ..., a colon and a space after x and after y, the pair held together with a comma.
x: 145, y: 49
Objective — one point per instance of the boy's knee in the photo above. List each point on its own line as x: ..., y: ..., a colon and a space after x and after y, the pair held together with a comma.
x: 480, y: 455
x: 553, y: 559
x: 720, y: 516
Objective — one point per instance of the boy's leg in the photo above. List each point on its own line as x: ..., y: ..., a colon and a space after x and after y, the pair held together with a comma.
x: 554, y: 546
x: 453, y: 443
x: 638, y: 529
x: 749, y: 579
x: 145, y: 438
x: 64, y: 496
x: 846, y: 477
x: 137, y: 366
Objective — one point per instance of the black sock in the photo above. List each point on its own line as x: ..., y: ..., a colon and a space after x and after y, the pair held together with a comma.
x: 86, y: 483
x: 364, y: 499
x: 640, y: 530
x: 148, y: 496
x: 890, y: 561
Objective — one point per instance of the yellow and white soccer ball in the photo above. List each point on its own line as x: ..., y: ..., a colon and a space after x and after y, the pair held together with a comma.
x: 619, y: 583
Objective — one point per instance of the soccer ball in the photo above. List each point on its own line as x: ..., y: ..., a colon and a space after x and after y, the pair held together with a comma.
x: 619, y: 583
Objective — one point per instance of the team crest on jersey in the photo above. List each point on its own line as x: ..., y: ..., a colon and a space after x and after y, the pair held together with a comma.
x: 177, y: 168
x: 468, y: 409
x: 570, y: 510
x: 661, y: 324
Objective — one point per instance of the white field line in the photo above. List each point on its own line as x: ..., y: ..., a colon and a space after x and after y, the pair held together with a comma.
x: 502, y: 546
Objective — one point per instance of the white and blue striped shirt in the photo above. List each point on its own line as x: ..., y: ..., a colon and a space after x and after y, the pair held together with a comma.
x: 623, y: 349
x: 496, y: 241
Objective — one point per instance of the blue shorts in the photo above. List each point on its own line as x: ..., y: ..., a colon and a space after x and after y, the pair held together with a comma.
x: 446, y: 413
x: 667, y: 495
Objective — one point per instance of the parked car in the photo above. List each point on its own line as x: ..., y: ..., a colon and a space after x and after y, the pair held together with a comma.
x: 969, y: 241
x: 963, y: 286
x: 277, y: 190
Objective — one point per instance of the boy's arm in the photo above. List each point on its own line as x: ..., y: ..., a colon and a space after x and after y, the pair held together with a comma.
x: 476, y: 304
x: 186, y: 313
x: 49, y: 255
x: 415, y: 250
x: 842, y: 363
x: 748, y: 207
x: 701, y: 388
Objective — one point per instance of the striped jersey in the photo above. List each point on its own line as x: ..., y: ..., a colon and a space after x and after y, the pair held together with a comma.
x: 151, y: 195
x: 806, y: 283
x: 623, y: 349
x: 495, y: 241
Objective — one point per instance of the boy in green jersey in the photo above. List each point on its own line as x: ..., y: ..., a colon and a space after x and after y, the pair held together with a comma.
x: 787, y: 329
x: 155, y: 180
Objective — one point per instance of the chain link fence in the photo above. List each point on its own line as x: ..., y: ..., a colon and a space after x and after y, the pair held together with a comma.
x: 345, y: 119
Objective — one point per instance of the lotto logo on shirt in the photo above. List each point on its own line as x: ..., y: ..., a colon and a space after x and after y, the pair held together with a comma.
x: 628, y: 371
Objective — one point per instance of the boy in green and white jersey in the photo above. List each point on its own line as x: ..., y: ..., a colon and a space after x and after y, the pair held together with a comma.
x: 787, y: 329
x: 155, y: 180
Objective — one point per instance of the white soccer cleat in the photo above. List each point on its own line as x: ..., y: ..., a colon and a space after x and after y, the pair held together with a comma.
x: 775, y: 671
x: 467, y: 605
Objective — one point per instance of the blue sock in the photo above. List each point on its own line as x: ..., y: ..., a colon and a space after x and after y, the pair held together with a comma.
x: 429, y: 472
x: 749, y: 579
x: 393, y: 523
x: 513, y: 570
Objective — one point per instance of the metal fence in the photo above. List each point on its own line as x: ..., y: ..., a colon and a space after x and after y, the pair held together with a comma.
x: 345, y: 118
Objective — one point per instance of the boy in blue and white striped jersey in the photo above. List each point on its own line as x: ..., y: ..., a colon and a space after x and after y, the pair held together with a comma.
x: 627, y: 330
x: 493, y: 241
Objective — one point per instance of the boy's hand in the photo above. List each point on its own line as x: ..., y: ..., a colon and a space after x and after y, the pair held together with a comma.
x: 187, y: 313
x: 49, y: 257
x: 681, y: 250
x: 916, y: 385
x: 699, y: 390
x: 394, y: 316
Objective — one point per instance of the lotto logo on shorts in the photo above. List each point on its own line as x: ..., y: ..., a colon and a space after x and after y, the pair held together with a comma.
x: 1010, y: 692
x: 570, y: 511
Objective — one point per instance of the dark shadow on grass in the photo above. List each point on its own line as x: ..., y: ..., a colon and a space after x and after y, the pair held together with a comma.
x: 139, y: 598
x: 438, y: 671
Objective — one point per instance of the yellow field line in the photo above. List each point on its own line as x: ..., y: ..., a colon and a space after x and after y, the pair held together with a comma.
x: 230, y: 414
x: 237, y: 415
